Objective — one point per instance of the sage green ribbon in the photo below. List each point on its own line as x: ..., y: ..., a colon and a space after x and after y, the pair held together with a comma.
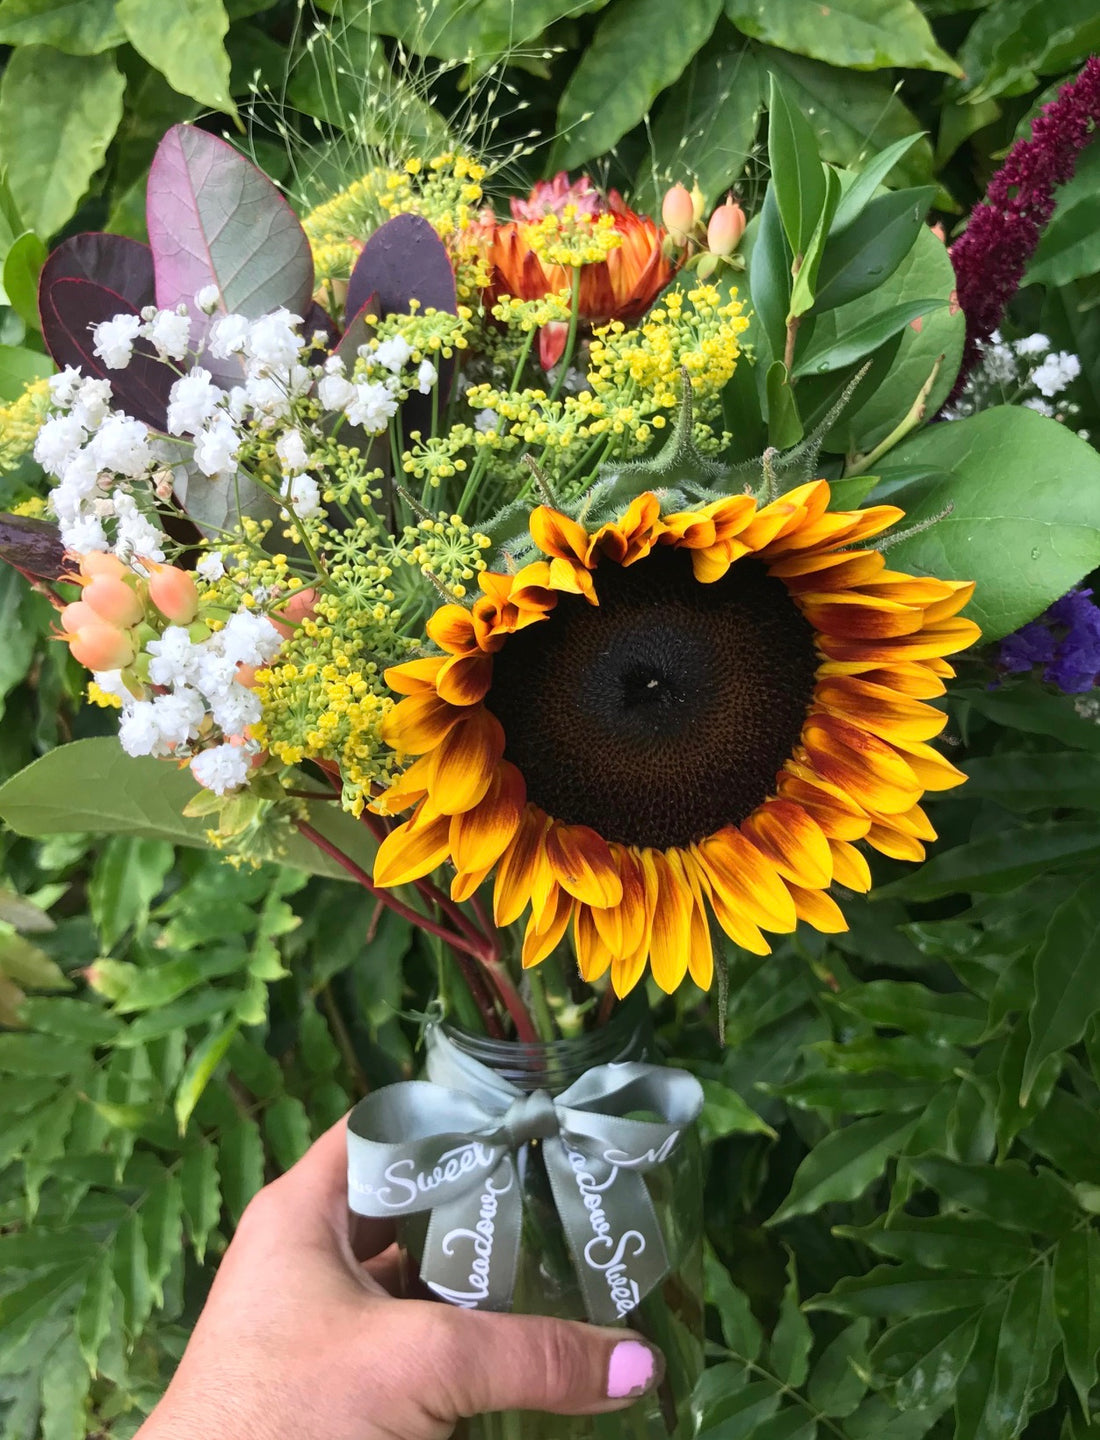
x: 448, y: 1144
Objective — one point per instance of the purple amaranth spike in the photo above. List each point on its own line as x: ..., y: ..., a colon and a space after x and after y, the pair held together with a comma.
x: 1065, y: 641
x: 991, y: 255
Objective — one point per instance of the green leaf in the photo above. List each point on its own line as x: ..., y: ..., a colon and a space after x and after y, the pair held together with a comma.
x: 923, y: 1357
x: 1016, y: 41
x: 185, y: 43
x: 1024, y: 782
x: 65, y: 1385
x: 34, y: 1302
x: 784, y: 426
x: 129, y: 874
x: 163, y: 1229
x: 287, y: 1127
x: 477, y: 33
x: 733, y: 1416
x: 859, y: 1094
x: 1008, y: 1194
x: 836, y: 1386
x: 952, y: 1019
x: 796, y: 171
x: 39, y: 1055
x: 1069, y: 246
x: 793, y: 1423
x: 705, y: 124
x: 201, y: 1064
x: 999, y: 862
x: 865, y: 185
x: 241, y: 1164
x: 864, y: 337
x: 622, y: 71
x: 1011, y: 1358
x: 58, y: 114
x: 79, y: 27
x: 740, y: 1328
x: 872, y: 247
x: 802, y: 292
x: 201, y: 1194
x: 945, y: 1242
x: 890, y: 1291
x: 1067, y: 981
x: 1025, y: 492
x: 131, y: 1271
x: 21, y: 270
x: 93, y: 1314
x: 29, y: 965
x: 18, y: 368
x: 69, y: 1019
x: 858, y: 34
x: 1077, y: 1307
x: 792, y: 1338
x: 842, y: 1165
x: 1026, y: 706
x: 725, y: 1113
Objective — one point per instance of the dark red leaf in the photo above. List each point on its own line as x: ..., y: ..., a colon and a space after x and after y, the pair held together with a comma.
x: 113, y: 261
x: 403, y: 260
x: 33, y: 546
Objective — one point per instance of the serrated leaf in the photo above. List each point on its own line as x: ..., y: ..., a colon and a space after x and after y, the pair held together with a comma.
x: 200, y: 1192
x: 892, y: 1291
x: 127, y: 877
x: 58, y: 114
x: 621, y: 72
x: 241, y: 1166
x: 31, y: 1304
x: 1077, y: 1307
x: 1000, y: 861
x: 65, y: 1385
x: 41, y: 1055
x: 201, y: 1064
x: 792, y: 1338
x: 836, y: 1386
x: 28, y: 964
x: 1067, y: 981
x: 1024, y: 492
x: 841, y: 1166
x: 858, y: 34
x: 162, y: 1224
x: 185, y: 42
x: 288, y: 1131
x: 93, y: 1313
x: 740, y: 1328
x: 70, y: 1019
x: 131, y: 1272
x: 79, y: 27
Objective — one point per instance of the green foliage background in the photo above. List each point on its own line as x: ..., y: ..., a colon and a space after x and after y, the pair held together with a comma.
x: 904, y: 1156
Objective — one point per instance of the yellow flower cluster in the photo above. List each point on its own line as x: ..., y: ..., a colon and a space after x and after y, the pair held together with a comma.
x: 429, y: 333
x: 439, y: 457
x: 524, y: 316
x: 570, y: 238
x: 447, y: 550
x: 20, y: 422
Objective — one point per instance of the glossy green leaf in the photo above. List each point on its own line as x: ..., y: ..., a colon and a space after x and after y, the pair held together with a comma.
x: 769, y: 281
x: 1000, y: 861
x: 477, y: 32
x: 1008, y: 1194
x: 1077, y: 1307
x: 859, y: 34
x: 956, y: 1018
x: 740, y: 1328
x: 1011, y: 1358
x: 705, y: 124
x: 241, y: 1166
x: 872, y: 247
x: 1026, y: 706
x: 79, y: 27
x: 1069, y: 246
x: 893, y: 1291
x: 622, y: 71
x: 21, y: 270
x: 185, y: 42
x: 792, y: 1338
x: 1067, y: 980
x: 796, y: 172
x: 805, y: 282
x: 58, y: 114
x: 18, y: 367
x: 128, y: 875
x: 93, y: 1313
x: 200, y: 1190
x: 877, y: 1419
x: 924, y: 1356
x: 1024, y: 492
x: 737, y: 1415
x: 945, y: 1242
x: 872, y: 175
x: 842, y: 1165
x: 1016, y: 41
x: 287, y: 1127
x: 793, y: 1423
x: 857, y: 1094
x: 201, y: 1064
x: 1025, y: 782
x: 726, y: 1113
x: 868, y: 335
x: 836, y: 1386
x: 784, y: 426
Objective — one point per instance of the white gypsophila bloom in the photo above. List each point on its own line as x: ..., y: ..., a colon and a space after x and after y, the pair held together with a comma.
x: 85, y: 533
x: 1031, y: 345
x: 235, y: 708
x: 392, y: 354
x: 372, y: 407
x: 111, y: 683
x: 335, y: 392
x: 78, y: 483
x: 216, y: 672
x: 486, y: 421
x: 208, y: 299
x: 138, y: 731
x: 1043, y: 407
x: 1055, y: 373
x: 273, y: 342
x: 999, y: 364
x: 292, y: 453
x: 216, y: 447
x: 191, y: 402
x: 170, y: 333
x: 304, y: 494
x: 273, y: 396
x: 211, y: 567
x: 175, y: 657
x: 228, y: 336
x: 225, y: 767
x: 113, y: 340
x: 64, y: 386
x: 92, y: 403
x: 249, y: 639
x: 57, y: 442
x: 261, y: 594
x: 426, y: 376
x: 179, y: 715
x: 136, y: 535
x: 122, y: 444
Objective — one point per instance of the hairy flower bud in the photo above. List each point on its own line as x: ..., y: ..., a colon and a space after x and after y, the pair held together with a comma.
x: 173, y: 592
x: 113, y: 600
x: 726, y: 227
x: 678, y: 213
x: 99, y: 562
x: 77, y: 614
x: 99, y: 646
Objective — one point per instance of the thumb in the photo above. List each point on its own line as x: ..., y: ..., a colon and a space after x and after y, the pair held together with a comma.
x: 483, y: 1362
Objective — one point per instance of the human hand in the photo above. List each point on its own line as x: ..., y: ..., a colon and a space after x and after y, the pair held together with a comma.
x: 301, y: 1341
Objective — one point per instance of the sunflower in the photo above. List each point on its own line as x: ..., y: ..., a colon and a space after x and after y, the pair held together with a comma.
x: 674, y: 717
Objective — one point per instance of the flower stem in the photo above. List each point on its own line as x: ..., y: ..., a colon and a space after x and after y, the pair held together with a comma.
x: 571, y: 338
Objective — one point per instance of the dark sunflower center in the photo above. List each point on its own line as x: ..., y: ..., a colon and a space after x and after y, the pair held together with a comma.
x: 664, y: 713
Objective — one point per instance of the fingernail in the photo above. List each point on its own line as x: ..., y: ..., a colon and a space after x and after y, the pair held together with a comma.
x: 634, y: 1368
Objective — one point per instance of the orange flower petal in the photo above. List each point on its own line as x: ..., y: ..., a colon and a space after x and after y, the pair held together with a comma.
x: 851, y: 613
x: 523, y: 870
x: 793, y: 842
x: 537, y: 944
x: 670, y: 939
x: 860, y: 764
x: 892, y: 842
x: 728, y: 911
x: 933, y: 770
x: 406, y: 790
x: 465, y: 679
x: 700, y: 945
x: 414, y: 677
x: 819, y: 910
x: 557, y: 535
x: 850, y: 866
x: 480, y: 836
x: 735, y: 865
x: 419, y: 723
x: 582, y: 864
x: 412, y: 850
x: 879, y: 709
x: 593, y: 955
x: 452, y: 629
x: 463, y: 763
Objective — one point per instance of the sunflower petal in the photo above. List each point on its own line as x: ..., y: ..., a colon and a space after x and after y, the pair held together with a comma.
x: 889, y: 841
x: 452, y: 629
x: 878, y: 709
x: 523, y: 869
x: 700, y: 945
x: 463, y: 763
x: 670, y: 939
x: 412, y: 850
x: 850, y: 866
x: 593, y: 955
x: 582, y: 864
x: 465, y: 679
x: 735, y: 864
x: 793, y: 842
x: 819, y: 910
x: 860, y: 764
x: 537, y: 944
x: 414, y: 676
x: 419, y: 723
x: 557, y: 535
x: 480, y: 836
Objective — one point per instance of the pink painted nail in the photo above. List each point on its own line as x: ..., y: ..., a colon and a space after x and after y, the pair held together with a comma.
x: 633, y: 1370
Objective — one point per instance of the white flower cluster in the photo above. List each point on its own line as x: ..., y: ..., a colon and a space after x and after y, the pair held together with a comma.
x: 95, y: 454
x: 168, y: 331
x: 199, y: 679
x: 1027, y: 372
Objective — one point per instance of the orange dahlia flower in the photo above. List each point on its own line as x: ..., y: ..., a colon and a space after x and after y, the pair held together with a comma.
x: 619, y: 252
x: 676, y: 717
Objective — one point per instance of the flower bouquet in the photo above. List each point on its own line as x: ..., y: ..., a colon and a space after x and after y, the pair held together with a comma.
x: 579, y: 585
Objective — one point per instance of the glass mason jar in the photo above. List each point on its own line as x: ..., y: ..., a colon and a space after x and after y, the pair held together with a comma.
x: 671, y: 1316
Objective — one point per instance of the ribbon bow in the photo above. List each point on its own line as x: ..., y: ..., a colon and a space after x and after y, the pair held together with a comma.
x: 446, y: 1144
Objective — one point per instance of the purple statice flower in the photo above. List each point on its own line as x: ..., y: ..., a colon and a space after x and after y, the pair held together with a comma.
x: 1065, y: 641
x: 1000, y: 238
